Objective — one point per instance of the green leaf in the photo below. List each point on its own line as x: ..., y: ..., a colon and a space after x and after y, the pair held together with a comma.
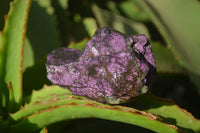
x: 79, y: 45
x: 63, y: 3
x: 12, y: 52
x: 130, y: 9
x: 42, y: 31
x: 42, y: 37
x: 168, y: 111
x: 28, y: 59
x: 54, y: 104
x: 4, y: 8
x: 63, y: 22
x: 122, y: 24
x: 134, y: 10
x: 34, y: 78
x: 44, y: 130
x: 179, y: 24
x: 165, y: 60
x: 90, y: 25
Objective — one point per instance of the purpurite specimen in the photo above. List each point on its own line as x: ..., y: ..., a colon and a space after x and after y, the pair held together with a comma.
x: 112, y: 68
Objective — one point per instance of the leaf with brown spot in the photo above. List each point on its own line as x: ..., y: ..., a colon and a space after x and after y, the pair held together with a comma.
x: 11, y: 55
x: 54, y: 104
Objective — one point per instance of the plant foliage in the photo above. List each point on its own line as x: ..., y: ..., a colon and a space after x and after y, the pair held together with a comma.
x: 32, y: 28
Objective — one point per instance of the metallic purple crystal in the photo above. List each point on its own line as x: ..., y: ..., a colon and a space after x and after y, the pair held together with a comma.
x: 112, y: 68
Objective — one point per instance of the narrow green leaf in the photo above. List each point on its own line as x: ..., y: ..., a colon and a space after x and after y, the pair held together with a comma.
x: 122, y: 24
x: 90, y: 25
x: 54, y: 104
x: 11, y: 58
x: 79, y: 45
x: 113, y: 7
x: 179, y: 24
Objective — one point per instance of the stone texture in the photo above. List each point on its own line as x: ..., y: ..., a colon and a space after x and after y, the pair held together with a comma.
x: 112, y: 68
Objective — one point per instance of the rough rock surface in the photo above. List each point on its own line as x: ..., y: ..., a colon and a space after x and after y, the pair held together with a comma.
x: 112, y: 68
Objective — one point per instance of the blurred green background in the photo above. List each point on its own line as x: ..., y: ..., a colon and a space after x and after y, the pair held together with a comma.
x: 171, y: 26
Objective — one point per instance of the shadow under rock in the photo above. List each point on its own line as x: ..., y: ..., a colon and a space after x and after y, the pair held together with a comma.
x: 180, y: 89
x: 35, y: 77
x: 149, y: 101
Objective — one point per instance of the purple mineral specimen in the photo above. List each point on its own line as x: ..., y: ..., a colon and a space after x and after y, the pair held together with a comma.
x: 112, y: 68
